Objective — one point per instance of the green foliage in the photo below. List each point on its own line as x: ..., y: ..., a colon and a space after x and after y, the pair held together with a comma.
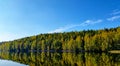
x: 90, y: 40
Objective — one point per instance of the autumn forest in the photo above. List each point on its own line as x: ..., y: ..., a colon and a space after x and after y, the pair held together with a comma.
x: 76, y: 41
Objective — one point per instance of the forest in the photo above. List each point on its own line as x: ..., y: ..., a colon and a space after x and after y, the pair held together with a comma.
x: 76, y: 41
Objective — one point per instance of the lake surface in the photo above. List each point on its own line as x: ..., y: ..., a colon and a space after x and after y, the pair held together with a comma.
x: 59, y: 59
x: 10, y: 63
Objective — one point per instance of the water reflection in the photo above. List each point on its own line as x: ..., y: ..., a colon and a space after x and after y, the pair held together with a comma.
x: 10, y: 63
x: 63, y: 59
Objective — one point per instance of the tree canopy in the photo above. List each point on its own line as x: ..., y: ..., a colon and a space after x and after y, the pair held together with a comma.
x: 89, y: 40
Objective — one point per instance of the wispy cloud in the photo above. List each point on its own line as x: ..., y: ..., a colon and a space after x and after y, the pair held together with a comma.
x: 113, y: 18
x: 85, y: 23
x: 61, y: 29
x: 115, y: 15
x: 115, y: 12
x: 90, y: 22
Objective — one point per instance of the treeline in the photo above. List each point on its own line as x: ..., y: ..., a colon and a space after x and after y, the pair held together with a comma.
x: 90, y: 40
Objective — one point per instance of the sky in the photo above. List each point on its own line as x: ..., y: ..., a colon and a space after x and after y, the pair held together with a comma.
x: 21, y: 18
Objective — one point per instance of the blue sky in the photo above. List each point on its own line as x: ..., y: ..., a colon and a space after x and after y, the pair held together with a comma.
x: 20, y: 18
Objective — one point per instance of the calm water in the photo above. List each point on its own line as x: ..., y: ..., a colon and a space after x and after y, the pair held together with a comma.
x: 10, y: 63
x: 59, y: 59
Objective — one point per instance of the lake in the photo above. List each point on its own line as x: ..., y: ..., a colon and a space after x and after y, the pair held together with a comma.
x: 59, y: 59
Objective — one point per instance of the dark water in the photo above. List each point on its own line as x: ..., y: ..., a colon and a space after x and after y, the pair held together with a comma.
x: 59, y: 59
